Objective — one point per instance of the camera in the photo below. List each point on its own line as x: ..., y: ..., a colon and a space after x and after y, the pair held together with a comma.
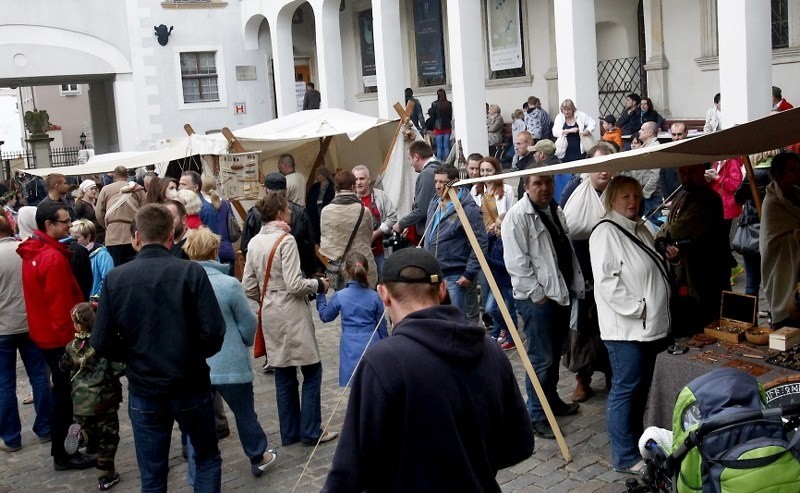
x: 662, y: 243
x: 395, y: 241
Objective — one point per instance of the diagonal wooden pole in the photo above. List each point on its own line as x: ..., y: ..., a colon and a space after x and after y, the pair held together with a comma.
x: 511, y: 324
x: 748, y: 167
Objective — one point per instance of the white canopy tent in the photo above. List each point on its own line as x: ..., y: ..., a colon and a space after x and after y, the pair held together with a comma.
x: 176, y: 149
x: 355, y: 140
x: 764, y: 134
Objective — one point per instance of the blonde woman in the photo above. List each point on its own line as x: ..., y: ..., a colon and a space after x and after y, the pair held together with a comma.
x: 231, y: 373
x: 224, y: 210
x: 191, y: 201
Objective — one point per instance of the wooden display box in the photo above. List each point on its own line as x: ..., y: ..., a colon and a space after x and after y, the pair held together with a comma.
x: 738, y: 313
x: 784, y: 338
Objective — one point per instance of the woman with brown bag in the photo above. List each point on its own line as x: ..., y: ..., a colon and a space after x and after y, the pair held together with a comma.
x: 272, y: 277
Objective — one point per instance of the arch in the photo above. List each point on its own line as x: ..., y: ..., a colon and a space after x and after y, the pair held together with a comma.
x: 251, y: 29
x: 53, y: 38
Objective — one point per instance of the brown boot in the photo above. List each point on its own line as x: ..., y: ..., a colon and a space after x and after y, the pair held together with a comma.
x: 582, y: 390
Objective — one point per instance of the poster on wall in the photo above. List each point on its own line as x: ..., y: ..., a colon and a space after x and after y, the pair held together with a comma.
x: 505, y: 36
x: 368, y: 73
x: 299, y: 94
x: 429, y: 40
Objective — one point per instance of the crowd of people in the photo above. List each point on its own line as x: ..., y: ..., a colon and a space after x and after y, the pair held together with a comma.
x: 579, y: 270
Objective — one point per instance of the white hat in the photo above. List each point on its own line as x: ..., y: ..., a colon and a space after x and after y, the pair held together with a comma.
x: 86, y: 185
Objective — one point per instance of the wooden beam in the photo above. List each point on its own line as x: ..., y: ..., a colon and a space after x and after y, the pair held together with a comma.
x: 188, y: 129
x: 511, y: 324
x: 324, y: 143
x: 751, y: 176
x: 405, y: 115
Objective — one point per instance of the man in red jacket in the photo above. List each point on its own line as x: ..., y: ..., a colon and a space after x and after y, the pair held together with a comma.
x: 51, y: 291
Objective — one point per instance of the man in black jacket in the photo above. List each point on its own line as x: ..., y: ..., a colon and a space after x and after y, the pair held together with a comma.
x: 300, y: 225
x: 164, y: 347
x: 436, y: 406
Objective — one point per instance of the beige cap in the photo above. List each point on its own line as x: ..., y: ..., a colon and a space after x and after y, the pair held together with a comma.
x: 545, y: 145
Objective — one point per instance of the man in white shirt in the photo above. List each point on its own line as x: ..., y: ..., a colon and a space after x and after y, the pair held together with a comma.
x: 295, y: 182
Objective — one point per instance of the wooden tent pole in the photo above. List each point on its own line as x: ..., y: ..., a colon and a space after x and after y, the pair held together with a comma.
x: 751, y: 176
x: 324, y: 143
x: 511, y: 324
x: 405, y: 115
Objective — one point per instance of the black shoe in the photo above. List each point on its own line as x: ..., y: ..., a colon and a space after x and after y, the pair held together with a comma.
x: 75, y: 461
x: 105, y: 484
x: 542, y: 429
x: 564, y: 409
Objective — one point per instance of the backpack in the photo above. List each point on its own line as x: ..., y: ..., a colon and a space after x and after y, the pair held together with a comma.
x: 752, y: 456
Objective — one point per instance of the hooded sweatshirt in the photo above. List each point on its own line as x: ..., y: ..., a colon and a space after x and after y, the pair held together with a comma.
x: 50, y: 290
x: 434, y: 407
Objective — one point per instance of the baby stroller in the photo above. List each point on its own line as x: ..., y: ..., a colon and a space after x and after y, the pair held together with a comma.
x: 723, y: 440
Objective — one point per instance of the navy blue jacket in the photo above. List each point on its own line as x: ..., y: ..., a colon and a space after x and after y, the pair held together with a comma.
x: 449, y: 242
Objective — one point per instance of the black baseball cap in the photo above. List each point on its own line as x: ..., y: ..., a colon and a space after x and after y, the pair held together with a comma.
x: 412, y: 257
x: 275, y: 181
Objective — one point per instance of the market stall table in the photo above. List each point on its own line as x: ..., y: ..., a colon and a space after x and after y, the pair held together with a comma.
x: 674, y: 371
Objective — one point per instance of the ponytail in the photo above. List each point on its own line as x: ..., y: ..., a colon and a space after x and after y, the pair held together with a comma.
x: 357, y: 268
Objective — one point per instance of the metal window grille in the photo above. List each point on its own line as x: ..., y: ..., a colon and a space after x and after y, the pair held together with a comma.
x: 199, y: 74
x: 27, y: 156
x: 616, y: 79
x: 780, y: 24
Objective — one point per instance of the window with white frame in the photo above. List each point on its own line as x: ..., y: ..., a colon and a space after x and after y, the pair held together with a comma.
x: 505, y: 40
x: 199, y: 77
x: 69, y: 89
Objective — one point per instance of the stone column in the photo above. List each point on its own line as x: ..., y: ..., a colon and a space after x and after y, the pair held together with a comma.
x: 329, y: 53
x: 40, y: 147
x: 576, y: 52
x: 467, y: 75
x: 283, y: 62
x: 656, y: 64
x: 390, y: 66
x: 126, y: 114
x: 745, y: 60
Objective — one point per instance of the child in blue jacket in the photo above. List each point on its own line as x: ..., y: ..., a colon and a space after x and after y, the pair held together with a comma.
x: 361, y: 309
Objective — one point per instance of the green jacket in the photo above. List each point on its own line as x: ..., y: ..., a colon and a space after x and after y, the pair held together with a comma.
x: 95, y: 381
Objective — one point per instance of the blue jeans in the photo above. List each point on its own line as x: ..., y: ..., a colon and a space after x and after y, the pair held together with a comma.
x: 152, y: 420
x: 36, y: 368
x: 300, y: 420
x: 239, y: 397
x: 459, y: 297
x: 546, y: 325
x: 442, y: 146
x: 632, y: 365
x: 493, y: 309
x: 650, y: 204
x: 379, y: 261
x: 752, y: 272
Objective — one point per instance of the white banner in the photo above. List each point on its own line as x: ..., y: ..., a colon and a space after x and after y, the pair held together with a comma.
x: 505, y: 40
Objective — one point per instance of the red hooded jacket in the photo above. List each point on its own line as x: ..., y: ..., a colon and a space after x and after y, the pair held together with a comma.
x: 50, y: 290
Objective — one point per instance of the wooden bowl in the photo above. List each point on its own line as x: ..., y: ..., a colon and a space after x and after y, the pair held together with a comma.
x: 758, y: 335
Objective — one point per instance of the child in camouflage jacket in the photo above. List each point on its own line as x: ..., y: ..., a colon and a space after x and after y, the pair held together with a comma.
x: 96, y: 395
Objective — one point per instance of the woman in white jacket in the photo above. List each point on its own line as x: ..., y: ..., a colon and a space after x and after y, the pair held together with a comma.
x: 632, y: 295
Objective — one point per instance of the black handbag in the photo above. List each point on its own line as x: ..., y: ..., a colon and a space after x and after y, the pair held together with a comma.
x: 333, y: 271
x: 234, y: 230
x: 745, y: 239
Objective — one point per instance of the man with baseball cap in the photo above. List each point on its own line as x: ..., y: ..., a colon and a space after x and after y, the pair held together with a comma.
x: 300, y: 225
x: 434, y: 407
x: 544, y: 154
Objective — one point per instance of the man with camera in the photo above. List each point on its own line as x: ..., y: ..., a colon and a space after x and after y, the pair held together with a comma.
x: 695, y: 242
x: 384, y: 215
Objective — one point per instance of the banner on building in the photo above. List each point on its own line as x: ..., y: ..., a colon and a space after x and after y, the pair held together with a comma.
x: 505, y: 34
x: 429, y: 41
x: 368, y: 73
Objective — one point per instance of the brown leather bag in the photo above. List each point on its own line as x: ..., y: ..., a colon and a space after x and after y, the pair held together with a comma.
x: 260, y: 345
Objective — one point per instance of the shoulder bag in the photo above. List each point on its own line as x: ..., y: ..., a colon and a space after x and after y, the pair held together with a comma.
x: 234, y: 230
x: 745, y: 239
x: 260, y: 346
x: 333, y: 271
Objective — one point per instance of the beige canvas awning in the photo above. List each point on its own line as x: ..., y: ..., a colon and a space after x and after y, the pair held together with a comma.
x: 765, y: 134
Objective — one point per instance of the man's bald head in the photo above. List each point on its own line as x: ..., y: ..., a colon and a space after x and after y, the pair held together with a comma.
x: 678, y: 131
x: 648, y: 131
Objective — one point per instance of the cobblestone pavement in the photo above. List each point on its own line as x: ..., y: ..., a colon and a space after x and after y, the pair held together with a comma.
x: 31, y: 469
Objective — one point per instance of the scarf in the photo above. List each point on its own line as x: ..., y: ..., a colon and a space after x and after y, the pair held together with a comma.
x: 280, y: 225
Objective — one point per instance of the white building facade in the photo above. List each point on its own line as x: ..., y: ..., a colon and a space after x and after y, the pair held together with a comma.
x: 236, y: 63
